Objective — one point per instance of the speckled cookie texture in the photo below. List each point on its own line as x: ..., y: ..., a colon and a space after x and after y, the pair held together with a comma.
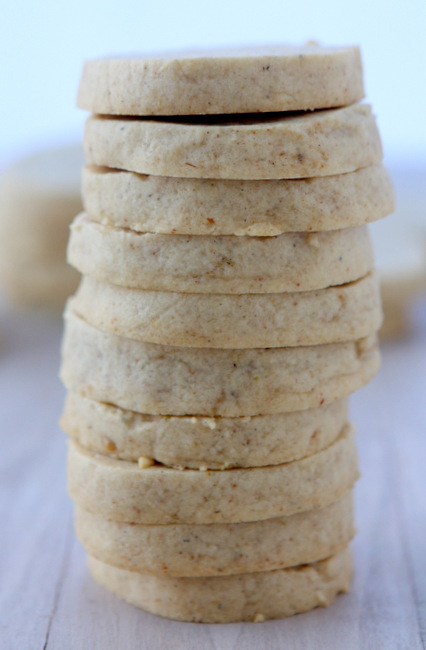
x: 342, y: 313
x: 199, y: 442
x: 123, y: 491
x: 223, y: 599
x: 219, y: 264
x: 218, y: 549
x: 196, y: 206
x: 274, y: 78
x: 321, y: 143
x: 168, y: 380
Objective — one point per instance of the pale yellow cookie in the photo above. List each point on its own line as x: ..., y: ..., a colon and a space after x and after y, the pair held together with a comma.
x: 197, y: 442
x: 252, y: 597
x: 219, y: 264
x: 123, y: 491
x: 38, y: 284
x: 39, y: 197
x: 167, y: 380
x: 244, y: 80
x: 343, y: 313
x: 196, y: 206
x: 321, y: 143
x: 401, y: 255
x: 398, y: 298
x: 218, y: 549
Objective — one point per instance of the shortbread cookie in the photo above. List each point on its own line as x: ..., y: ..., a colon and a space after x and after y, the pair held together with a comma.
x: 208, y: 443
x: 398, y: 298
x: 343, y: 313
x: 322, y: 143
x: 38, y: 285
x: 252, y: 597
x: 245, y: 80
x: 39, y: 196
x: 124, y: 491
x: 401, y: 256
x: 218, y: 549
x: 221, y: 264
x: 167, y: 380
x: 195, y: 206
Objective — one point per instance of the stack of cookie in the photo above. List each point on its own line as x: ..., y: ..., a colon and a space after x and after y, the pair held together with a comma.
x: 228, y: 307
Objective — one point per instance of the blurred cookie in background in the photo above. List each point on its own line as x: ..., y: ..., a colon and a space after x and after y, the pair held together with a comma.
x: 39, y: 196
x: 400, y: 246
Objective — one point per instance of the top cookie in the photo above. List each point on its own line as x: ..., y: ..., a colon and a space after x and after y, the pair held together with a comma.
x: 250, y: 80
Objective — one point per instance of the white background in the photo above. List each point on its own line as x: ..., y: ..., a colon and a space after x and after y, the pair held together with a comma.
x: 43, y: 46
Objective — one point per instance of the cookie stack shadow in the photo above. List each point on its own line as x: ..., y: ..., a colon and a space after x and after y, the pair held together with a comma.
x: 228, y: 307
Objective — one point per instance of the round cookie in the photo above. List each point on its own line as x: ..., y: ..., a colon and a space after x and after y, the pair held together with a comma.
x: 167, y: 380
x: 225, y: 599
x: 123, y: 491
x: 245, y: 80
x: 196, y: 206
x: 219, y: 264
x: 400, y: 247
x: 342, y: 313
x: 398, y: 297
x: 207, y: 443
x: 321, y: 143
x: 38, y: 285
x: 39, y: 197
x: 218, y: 549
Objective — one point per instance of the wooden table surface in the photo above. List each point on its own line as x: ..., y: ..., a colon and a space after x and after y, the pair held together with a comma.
x: 48, y: 600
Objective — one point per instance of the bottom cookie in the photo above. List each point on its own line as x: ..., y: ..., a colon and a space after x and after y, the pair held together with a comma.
x: 224, y: 599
